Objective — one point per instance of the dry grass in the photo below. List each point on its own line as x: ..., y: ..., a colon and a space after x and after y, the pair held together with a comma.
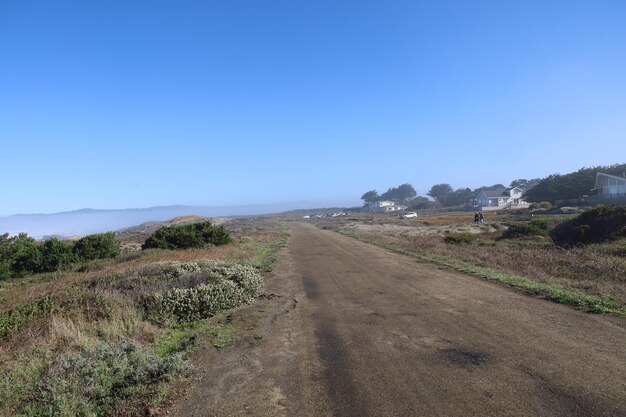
x: 90, y: 321
x: 249, y: 236
x: 596, y: 270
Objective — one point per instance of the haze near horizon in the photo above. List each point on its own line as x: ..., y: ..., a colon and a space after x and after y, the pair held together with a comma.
x: 142, y: 104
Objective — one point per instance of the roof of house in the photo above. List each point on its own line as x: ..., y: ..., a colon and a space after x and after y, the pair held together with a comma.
x: 500, y: 192
x: 601, y: 175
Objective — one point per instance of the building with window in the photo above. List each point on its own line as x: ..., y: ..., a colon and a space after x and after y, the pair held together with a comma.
x: 385, y: 206
x: 501, y: 198
x: 608, y: 188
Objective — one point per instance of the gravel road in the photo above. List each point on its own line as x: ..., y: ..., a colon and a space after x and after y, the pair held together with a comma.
x: 358, y: 331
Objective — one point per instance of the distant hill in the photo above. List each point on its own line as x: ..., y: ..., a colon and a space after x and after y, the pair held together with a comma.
x: 87, y: 221
x: 570, y: 186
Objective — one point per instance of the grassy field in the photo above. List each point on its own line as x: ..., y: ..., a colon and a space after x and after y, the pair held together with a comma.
x: 107, y: 337
x: 591, y: 277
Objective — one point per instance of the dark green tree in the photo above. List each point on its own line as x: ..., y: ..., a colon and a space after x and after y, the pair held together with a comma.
x: 525, y: 184
x: 420, y: 202
x: 370, y: 196
x: 56, y: 254
x: 405, y: 193
x: 98, y: 246
x: 489, y: 188
x: 21, y: 255
x: 440, y: 193
x: 458, y: 197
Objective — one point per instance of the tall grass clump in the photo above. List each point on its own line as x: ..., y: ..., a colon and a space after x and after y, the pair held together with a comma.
x: 196, y: 235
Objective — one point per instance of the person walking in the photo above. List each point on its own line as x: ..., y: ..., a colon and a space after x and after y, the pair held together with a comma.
x: 481, y: 218
x: 476, y: 218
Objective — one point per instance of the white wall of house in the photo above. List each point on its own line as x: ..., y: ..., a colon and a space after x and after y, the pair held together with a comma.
x: 385, y: 206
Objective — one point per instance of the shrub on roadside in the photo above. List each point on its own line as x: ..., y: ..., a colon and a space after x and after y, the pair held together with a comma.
x: 457, y: 238
x: 196, y: 235
x: 97, y: 246
x: 601, y: 224
x: 533, y: 228
x: 89, y: 382
x: 203, y: 294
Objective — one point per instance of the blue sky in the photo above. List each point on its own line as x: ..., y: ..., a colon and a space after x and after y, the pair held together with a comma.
x: 138, y: 103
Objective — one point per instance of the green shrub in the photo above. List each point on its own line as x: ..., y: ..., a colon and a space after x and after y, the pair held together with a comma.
x: 14, y: 320
x: 90, y: 382
x: 21, y: 254
x: 98, y: 246
x: 196, y: 235
x: 533, y: 228
x: 541, y: 205
x: 459, y: 238
x: 597, y: 225
x: 5, y: 270
x: 218, y: 287
x: 56, y: 254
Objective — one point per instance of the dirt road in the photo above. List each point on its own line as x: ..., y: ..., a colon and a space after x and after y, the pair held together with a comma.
x: 359, y: 331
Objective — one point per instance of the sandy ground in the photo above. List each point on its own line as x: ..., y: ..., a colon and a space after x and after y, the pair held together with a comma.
x: 354, y: 330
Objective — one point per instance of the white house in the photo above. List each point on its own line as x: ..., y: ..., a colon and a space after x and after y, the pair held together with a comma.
x: 502, y: 198
x: 385, y: 206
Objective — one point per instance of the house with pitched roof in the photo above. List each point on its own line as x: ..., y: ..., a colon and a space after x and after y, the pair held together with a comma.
x: 501, y: 198
x: 609, y: 188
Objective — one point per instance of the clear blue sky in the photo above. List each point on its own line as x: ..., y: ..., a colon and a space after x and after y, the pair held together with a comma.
x: 122, y: 104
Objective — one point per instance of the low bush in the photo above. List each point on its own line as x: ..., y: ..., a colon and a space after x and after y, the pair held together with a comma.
x: 14, y: 320
x: 533, y: 228
x: 98, y: 246
x: 90, y: 382
x: 597, y: 225
x: 196, y: 235
x: 459, y: 238
x: 546, y: 205
x: 216, y: 287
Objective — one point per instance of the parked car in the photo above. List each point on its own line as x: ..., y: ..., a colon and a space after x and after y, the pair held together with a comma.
x: 409, y: 215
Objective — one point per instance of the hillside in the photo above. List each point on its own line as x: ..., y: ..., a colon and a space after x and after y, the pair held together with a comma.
x: 570, y: 186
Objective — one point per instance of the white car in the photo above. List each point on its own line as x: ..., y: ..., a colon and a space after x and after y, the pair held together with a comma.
x: 409, y: 215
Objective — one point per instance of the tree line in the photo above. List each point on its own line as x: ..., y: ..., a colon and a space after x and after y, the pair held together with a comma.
x: 551, y: 188
x: 443, y: 195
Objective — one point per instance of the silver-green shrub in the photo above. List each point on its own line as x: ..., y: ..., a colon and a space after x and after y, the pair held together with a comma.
x: 206, y: 287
